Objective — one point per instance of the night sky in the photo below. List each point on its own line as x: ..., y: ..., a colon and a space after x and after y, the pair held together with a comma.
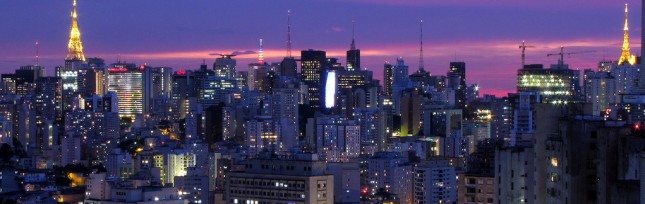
x: 180, y: 33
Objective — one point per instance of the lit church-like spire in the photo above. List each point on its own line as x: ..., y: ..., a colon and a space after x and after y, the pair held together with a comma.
x: 626, y: 56
x: 75, y: 46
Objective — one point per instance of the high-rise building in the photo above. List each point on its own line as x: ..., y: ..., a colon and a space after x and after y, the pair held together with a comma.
x: 313, y: 65
x: 555, y: 85
x: 457, y: 82
x: 225, y: 66
x: 161, y: 82
x: 353, y: 55
x: 127, y: 83
x: 388, y: 78
x: 183, y: 88
x: 215, y: 90
x: 22, y: 81
x: 91, y: 81
x: 298, y: 180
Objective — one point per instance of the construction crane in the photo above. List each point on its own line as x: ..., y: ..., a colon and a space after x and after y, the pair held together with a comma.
x: 562, y: 53
x: 523, y: 48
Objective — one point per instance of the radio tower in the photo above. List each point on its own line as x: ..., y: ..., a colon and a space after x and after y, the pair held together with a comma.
x: 626, y: 56
x: 261, y: 53
x: 421, y: 66
x: 289, y: 33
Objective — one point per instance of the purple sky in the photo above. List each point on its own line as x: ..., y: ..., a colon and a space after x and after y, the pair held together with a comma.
x: 484, y: 34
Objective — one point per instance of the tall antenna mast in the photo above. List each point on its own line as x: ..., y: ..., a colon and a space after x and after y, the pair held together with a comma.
x: 289, y: 33
x: 353, y: 46
x: 421, y: 67
x: 261, y: 53
x: 37, y: 53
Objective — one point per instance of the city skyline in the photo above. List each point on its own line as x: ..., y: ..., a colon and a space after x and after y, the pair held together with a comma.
x: 182, y: 39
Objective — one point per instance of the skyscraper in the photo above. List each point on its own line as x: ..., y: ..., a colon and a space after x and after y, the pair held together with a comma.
x: 457, y: 82
x: 312, y: 65
x: 128, y: 86
x: 388, y: 78
x: 225, y: 66
x: 75, y: 46
x: 353, y: 55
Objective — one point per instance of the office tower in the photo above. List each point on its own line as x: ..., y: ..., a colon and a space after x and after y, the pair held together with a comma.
x: 127, y: 83
x: 435, y: 181
x: 91, y: 81
x: 391, y: 172
x: 555, y: 85
x: 349, y: 80
x: 161, y: 82
x: 22, y: 81
x: 313, y: 65
x: 215, y: 90
x: 457, y: 82
x: 69, y: 80
x: 353, y: 55
x: 297, y: 180
x: 388, y: 78
x: 225, y: 66
x: 75, y: 54
x: 183, y: 87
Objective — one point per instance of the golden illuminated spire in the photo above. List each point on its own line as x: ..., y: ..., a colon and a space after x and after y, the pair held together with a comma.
x: 75, y: 46
x: 626, y: 56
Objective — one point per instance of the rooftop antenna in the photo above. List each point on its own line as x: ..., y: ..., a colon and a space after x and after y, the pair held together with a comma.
x: 288, y: 33
x: 421, y: 67
x: 353, y: 46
